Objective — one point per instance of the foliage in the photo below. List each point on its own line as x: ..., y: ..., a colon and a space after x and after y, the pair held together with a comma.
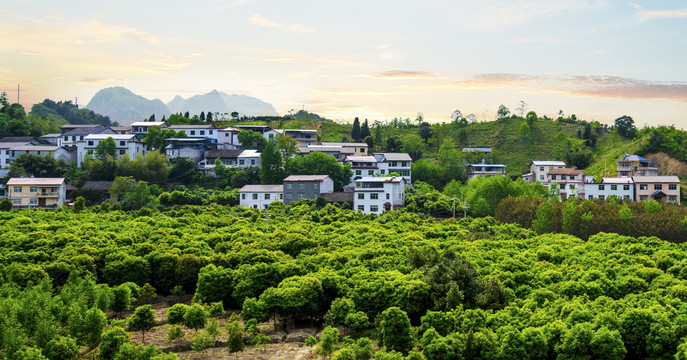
x: 175, y: 332
x: 328, y: 341
x: 318, y: 163
x: 195, y: 317
x: 142, y: 320
x: 394, y: 330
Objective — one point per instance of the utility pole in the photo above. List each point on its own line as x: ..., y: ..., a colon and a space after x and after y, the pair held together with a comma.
x: 454, y: 206
x: 17, y: 93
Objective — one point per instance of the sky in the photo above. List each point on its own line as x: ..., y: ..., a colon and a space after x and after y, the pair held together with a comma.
x: 373, y: 59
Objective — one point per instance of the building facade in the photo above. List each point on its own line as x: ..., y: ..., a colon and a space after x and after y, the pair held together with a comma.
x: 125, y: 144
x: 539, y: 169
x: 36, y: 192
x: 665, y: 188
x: 378, y: 194
x: 260, y: 196
x: 622, y: 188
x: 635, y: 165
x: 298, y: 187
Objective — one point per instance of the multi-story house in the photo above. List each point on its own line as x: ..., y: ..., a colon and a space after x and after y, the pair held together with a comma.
x: 260, y: 196
x: 635, y: 165
x: 362, y: 166
x: 191, y: 147
x: 264, y: 130
x: 398, y: 163
x: 197, y: 131
x: 51, y: 139
x: 36, y: 192
x: 298, y: 187
x: 227, y: 138
x: 125, y: 144
x: 657, y: 188
x: 539, y: 169
x: 338, y: 152
x: 7, y: 143
x: 72, y: 134
x: 141, y: 127
x: 622, y: 188
x: 359, y: 149
x: 571, y: 182
x: 484, y: 169
x: 376, y: 194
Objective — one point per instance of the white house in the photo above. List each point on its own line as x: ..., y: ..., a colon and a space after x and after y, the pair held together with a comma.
x: 622, y: 188
x: 539, y: 169
x: 359, y: 149
x: 484, y: 169
x: 249, y: 158
x: 141, y: 127
x: 363, y: 166
x: 398, y: 163
x: 57, y: 152
x: 197, y: 131
x: 193, y: 148
x: 571, y: 182
x: 264, y: 130
x: 72, y: 133
x: 378, y: 194
x: 339, y: 152
x: 126, y: 144
x: 227, y: 138
x: 304, y: 137
x: 260, y: 196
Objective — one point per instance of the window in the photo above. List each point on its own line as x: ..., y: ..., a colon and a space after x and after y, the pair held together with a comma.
x: 122, y: 152
x: 301, y: 186
x: 392, y: 164
x: 643, y: 187
x: 240, y: 161
x: 370, y: 172
x: 193, y: 132
x: 541, y: 177
x: 210, y: 132
x: 243, y: 196
x: 66, y: 138
x: 89, y: 152
x: 626, y: 187
x: 289, y: 186
x: 672, y: 197
x: 361, y: 196
x: 17, y: 189
x: 358, y: 172
x: 252, y: 162
x: 255, y: 196
x: 301, y: 196
x: 122, y: 143
x: 601, y: 197
x: 16, y: 201
x: 382, y: 171
x: 614, y: 187
x: 90, y: 142
x: 387, y: 196
x: 374, y: 196
x: 404, y: 164
x: 658, y: 186
x: 226, y: 134
x: 361, y: 207
x: 33, y: 189
x: 541, y: 168
x: 289, y: 196
x: 602, y: 187
x: 590, y: 197
x: 553, y: 177
x: 404, y: 172
x: 562, y: 186
x: 281, y: 196
x: 374, y: 208
x: 626, y: 197
x: 672, y: 186
x: 643, y: 197
x: 33, y: 201
x: 267, y: 196
x: 202, y: 132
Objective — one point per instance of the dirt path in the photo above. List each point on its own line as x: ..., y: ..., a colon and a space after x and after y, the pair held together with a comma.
x: 285, y: 351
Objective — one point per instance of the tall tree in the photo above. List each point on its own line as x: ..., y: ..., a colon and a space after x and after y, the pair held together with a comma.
x: 251, y: 140
x: 271, y: 164
x: 626, y: 126
x: 365, y: 130
x: 107, y: 147
x: 202, y: 116
x: 425, y: 131
x: 142, y: 320
x: 319, y: 163
x: 450, y: 161
x: 413, y: 145
x: 356, y: 131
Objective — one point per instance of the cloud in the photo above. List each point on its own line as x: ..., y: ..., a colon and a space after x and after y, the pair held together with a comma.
x: 403, y: 75
x: 541, y: 40
x: 95, y: 81
x: 260, y: 20
x: 645, y: 15
x: 300, y: 28
x: 498, y: 14
x: 592, y: 86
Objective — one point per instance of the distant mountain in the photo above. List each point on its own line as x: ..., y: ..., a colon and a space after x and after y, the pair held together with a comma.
x: 216, y: 101
x: 125, y: 107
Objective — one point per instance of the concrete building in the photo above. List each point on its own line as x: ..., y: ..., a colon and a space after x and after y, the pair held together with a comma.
x: 72, y: 134
x: 249, y: 158
x: 141, y: 127
x: 227, y: 138
x: 36, y: 192
x: 304, y: 137
x: 484, y: 169
x: 635, y: 165
x: 260, y: 196
x: 264, y: 130
x: 197, y: 131
x: 622, y: 188
x: 51, y: 139
x: 571, y: 182
x: 657, y: 188
x: 126, y: 144
x: 57, y: 152
x: 298, y: 187
x: 378, y: 194
x: 359, y: 149
x: 192, y: 147
x: 362, y: 166
x: 399, y: 163
x: 338, y: 152
x: 539, y: 169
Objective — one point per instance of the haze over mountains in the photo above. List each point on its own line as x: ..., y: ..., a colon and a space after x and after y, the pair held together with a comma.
x: 125, y: 107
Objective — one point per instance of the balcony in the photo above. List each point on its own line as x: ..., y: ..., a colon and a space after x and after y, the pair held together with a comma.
x: 48, y: 194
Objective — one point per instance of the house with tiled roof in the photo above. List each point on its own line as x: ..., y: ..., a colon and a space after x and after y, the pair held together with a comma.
x: 36, y: 192
x: 635, y: 165
x: 260, y: 196
x: 298, y: 187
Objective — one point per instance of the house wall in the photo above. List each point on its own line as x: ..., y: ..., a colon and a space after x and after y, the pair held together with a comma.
x: 364, y: 199
x: 192, y: 153
x: 259, y: 200
x: 541, y: 171
x: 643, y: 190
x: 86, y: 147
x: 22, y: 196
x: 598, y: 190
x: 297, y: 190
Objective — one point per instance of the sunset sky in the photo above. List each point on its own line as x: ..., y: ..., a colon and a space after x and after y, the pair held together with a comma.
x: 371, y: 59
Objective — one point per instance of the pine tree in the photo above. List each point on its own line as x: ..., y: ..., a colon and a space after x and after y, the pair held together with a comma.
x: 271, y: 165
x: 365, y: 130
x: 202, y: 116
x: 356, y: 132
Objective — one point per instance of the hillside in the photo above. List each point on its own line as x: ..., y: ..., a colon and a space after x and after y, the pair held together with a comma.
x: 125, y: 107
x: 216, y: 101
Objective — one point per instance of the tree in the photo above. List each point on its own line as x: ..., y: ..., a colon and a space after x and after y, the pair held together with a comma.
x: 502, y: 112
x: 32, y: 165
x: 522, y: 107
x: 356, y: 133
x: 105, y: 148
x: 626, y: 127
x: 413, y: 145
x: 112, y: 341
x: 142, y: 320
x: 450, y: 162
x: 62, y: 347
x: 251, y: 140
x: 394, y: 330
x: 531, y: 118
x: 195, y: 317
x: 319, y: 163
x: 328, y: 341
x: 176, y: 313
x: 95, y: 322
x: 287, y: 147
x: 271, y: 171
x: 122, y: 298
x: 393, y: 143
x: 5, y: 204
x: 235, y: 337
x: 425, y: 131
x: 121, y: 187
x: 365, y: 130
